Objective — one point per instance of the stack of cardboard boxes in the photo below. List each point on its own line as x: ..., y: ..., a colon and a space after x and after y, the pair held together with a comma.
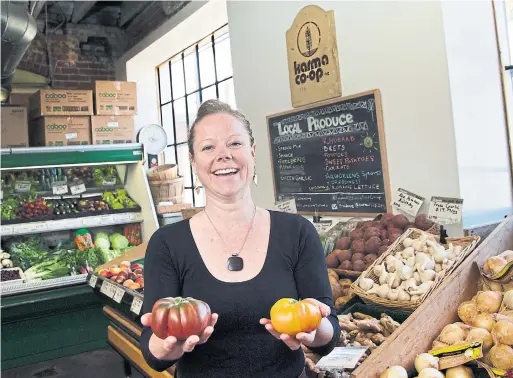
x: 61, y: 117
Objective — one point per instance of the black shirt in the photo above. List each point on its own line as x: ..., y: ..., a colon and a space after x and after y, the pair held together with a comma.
x: 240, y: 346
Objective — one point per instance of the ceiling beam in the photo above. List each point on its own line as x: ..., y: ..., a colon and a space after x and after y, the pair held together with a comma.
x: 38, y: 7
x: 80, y: 10
x: 129, y: 9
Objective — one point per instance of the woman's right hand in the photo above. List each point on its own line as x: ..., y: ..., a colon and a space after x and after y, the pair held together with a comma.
x: 171, y: 348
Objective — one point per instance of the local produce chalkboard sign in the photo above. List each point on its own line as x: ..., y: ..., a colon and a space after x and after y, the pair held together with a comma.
x: 331, y: 157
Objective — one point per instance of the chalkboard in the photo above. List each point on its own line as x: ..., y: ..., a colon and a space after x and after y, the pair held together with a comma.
x: 331, y: 156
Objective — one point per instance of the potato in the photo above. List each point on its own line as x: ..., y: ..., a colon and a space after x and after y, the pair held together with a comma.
x: 358, y: 246
x: 386, y: 219
x: 332, y: 261
x: 384, y: 234
x: 385, y: 242
x: 394, y: 230
x: 356, y: 257
x: 367, y: 224
x: 369, y: 259
x: 400, y: 221
x: 359, y: 266
x: 372, y: 245
x: 394, y: 237
x: 423, y: 222
x: 370, y: 232
x: 336, y: 290
x: 382, y: 249
x: 357, y: 234
x: 332, y: 273
x: 343, y: 255
x: 346, y: 265
x: 343, y: 243
x: 345, y: 283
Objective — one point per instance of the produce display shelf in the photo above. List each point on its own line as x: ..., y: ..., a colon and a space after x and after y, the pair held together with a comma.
x: 7, y: 288
x: 92, y: 191
x: 66, y: 156
x: 70, y: 223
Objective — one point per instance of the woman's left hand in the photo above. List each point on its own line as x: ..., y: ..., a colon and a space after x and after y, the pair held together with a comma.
x: 294, y: 342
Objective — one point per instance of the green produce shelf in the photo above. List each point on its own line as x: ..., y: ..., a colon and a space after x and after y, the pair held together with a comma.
x: 65, y: 156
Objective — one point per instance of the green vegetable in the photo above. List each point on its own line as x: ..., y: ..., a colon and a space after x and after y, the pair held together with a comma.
x: 91, y: 257
x: 28, y: 252
x: 118, y: 241
x: 52, y: 268
x: 101, y: 241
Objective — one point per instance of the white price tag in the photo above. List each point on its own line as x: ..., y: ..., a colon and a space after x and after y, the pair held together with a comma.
x: 341, y: 358
x: 7, y: 230
x: 322, y: 225
x: 77, y: 189
x: 444, y: 210
x: 35, y: 228
x: 59, y: 188
x: 407, y: 202
x: 287, y: 206
x: 22, y: 186
x: 136, y: 305
x: 92, y: 280
x: 112, y: 124
x: 118, y: 296
x: 109, y: 181
x: 71, y: 136
x: 122, y: 218
x: 108, y: 289
x: 106, y: 220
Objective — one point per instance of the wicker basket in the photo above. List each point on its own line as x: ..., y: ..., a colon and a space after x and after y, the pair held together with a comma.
x: 163, y: 172
x: 167, y: 190
x: 468, y: 243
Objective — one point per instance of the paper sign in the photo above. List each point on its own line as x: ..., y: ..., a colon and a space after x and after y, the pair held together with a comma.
x: 322, y: 226
x: 22, y: 186
x: 109, y: 181
x: 407, y: 202
x: 92, y: 281
x: 108, y: 289
x: 71, y: 136
x: 444, y: 210
x: 112, y: 124
x: 342, y: 358
x: 287, y: 206
x: 77, y: 189
x: 7, y: 230
x: 59, y: 188
x: 118, y: 296
x: 28, y: 228
x: 136, y: 305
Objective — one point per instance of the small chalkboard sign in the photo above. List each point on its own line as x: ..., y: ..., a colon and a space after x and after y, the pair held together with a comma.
x: 331, y: 156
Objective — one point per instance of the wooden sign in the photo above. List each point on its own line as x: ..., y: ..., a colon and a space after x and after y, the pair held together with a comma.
x: 331, y: 157
x: 312, y: 54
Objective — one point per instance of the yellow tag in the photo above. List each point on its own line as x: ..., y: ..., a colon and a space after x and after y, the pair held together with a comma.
x: 458, y: 355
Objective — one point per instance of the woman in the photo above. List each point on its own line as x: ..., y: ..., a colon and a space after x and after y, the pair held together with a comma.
x: 238, y: 258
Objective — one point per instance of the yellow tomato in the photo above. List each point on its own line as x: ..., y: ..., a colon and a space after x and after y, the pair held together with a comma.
x: 291, y: 317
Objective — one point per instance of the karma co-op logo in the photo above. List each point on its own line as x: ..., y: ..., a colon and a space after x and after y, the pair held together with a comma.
x: 308, y: 42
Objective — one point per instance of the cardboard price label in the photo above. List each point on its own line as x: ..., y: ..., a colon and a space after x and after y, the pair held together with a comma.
x: 92, y: 281
x: 407, y: 202
x: 458, y: 355
x: 444, y: 210
x: 341, y: 358
x: 108, y: 289
x: 118, y: 296
x: 109, y: 181
x: 59, y: 188
x: 22, y: 186
x: 287, y: 206
x: 136, y: 305
x: 77, y: 189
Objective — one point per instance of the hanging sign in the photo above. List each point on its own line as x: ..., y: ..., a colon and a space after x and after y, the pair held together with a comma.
x: 312, y: 54
x: 407, y: 202
x: 444, y: 210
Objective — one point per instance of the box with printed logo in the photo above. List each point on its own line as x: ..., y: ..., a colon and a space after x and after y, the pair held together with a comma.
x: 14, y: 127
x: 61, y: 102
x: 113, y: 129
x: 60, y: 131
x: 115, y: 98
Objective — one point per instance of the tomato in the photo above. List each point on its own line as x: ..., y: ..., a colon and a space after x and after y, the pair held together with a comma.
x: 179, y: 317
x: 291, y: 317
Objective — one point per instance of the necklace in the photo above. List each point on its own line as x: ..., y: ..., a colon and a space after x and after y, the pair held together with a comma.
x: 234, y: 262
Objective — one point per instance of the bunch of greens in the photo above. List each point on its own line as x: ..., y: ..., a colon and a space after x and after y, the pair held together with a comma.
x: 48, y: 269
x: 104, y: 242
x: 78, y: 261
x: 8, y: 207
x: 119, y: 199
x: 26, y: 252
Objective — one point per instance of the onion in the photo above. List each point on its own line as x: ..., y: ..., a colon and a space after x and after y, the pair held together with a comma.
x: 481, y: 334
x: 489, y: 301
x: 502, y: 332
x: 467, y: 311
x: 430, y: 373
x: 508, y: 299
x: 451, y: 334
x: 394, y: 372
x: 507, y: 255
x: 494, y: 286
x: 459, y: 372
x: 438, y: 345
x: 494, y: 265
x: 484, y: 321
x: 501, y: 357
x: 425, y: 360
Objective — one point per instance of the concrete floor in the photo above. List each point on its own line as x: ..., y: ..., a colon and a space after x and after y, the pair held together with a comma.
x: 103, y: 363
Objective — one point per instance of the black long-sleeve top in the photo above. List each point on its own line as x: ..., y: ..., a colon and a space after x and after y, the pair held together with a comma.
x: 240, y: 347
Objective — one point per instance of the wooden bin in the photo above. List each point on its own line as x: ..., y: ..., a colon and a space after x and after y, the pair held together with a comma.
x: 163, y: 172
x: 167, y: 190
x: 417, y: 333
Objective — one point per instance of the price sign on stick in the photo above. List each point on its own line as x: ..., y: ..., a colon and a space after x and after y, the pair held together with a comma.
x: 287, y: 206
x: 444, y: 210
x: 407, y: 202
x: 118, y: 296
x: 136, y: 305
x: 342, y: 358
x: 92, y: 281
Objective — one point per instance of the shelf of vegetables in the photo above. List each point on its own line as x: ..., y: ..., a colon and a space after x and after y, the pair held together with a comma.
x: 78, y: 208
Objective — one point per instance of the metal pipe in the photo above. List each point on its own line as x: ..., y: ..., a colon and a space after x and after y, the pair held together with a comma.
x: 18, y: 30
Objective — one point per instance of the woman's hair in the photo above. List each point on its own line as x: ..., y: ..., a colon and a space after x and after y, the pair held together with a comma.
x: 210, y: 107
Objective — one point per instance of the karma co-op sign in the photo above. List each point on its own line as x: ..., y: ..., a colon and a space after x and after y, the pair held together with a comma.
x: 312, y: 54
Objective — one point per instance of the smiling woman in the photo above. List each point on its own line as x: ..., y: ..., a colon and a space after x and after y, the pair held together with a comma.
x: 241, y: 260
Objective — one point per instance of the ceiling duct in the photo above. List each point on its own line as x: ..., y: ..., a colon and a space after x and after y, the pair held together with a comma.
x: 18, y: 30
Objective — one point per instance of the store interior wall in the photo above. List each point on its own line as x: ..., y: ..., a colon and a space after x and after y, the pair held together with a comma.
x: 478, y: 111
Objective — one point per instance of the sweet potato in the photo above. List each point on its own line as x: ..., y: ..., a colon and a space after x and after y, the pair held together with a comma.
x: 400, y: 221
x: 372, y: 245
x: 332, y: 261
x: 369, y: 259
x: 357, y: 234
x: 343, y: 255
x: 423, y: 222
x: 359, y: 266
x: 386, y: 219
x: 382, y: 249
x: 346, y: 265
x: 370, y: 232
x: 358, y: 246
x: 356, y: 257
x: 343, y: 243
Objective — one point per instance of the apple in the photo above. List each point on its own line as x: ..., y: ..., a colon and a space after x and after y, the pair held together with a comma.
x: 136, y: 266
x: 115, y: 271
x: 120, y: 279
x: 125, y: 264
x: 104, y: 272
x: 138, y: 271
x: 113, y: 278
x: 128, y: 282
x: 123, y: 274
x: 132, y: 276
x: 139, y: 280
x: 134, y: 286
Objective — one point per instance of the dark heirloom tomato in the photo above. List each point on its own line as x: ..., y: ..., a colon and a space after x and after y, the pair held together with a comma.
x: 179, y: 317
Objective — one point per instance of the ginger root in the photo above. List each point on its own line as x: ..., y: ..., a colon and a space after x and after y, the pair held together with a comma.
x: 389, y: 324
x: 360, y: 316
x: 372, y: 325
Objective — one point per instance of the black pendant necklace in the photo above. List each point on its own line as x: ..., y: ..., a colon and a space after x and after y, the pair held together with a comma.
x: 234, y: 263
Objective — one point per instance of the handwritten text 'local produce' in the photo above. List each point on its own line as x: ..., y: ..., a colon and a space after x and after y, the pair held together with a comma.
x: 314, y: 124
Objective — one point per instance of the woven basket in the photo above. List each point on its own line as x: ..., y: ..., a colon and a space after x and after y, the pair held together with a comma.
x: 167, y: 190
x: 468, y: 243
x: 163, y: 172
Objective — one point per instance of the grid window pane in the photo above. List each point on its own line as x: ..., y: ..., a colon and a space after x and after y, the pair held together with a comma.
x: 187, y: 197
x: 209, y: 93
x: 169, y: 155
x: 166, y: 113
x: 200, y: 198
x: 184, y: 164
x: 191, y: 71
x: 226, y: 92
x: 207, y: 67
x: 165, y: 83
x: 177, y: 78
x: 193, y: 103
x: 180, y: 120
x: 223, y: 58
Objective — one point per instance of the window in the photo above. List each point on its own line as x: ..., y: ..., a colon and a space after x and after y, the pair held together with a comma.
x: 201, y: 72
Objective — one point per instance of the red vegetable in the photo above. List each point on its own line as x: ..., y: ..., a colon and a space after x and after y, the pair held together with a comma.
x: 179, y: 317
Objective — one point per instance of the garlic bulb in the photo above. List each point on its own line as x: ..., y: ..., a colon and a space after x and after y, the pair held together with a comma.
x: 408, y: 252
x: 383, y: 277
x: 383, y: 291
x: 393, y: 294
x: 403, y: 295
x: 366, y: 284
x: 407, y: 242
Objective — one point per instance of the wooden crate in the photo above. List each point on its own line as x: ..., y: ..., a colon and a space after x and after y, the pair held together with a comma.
x: 418, y: 332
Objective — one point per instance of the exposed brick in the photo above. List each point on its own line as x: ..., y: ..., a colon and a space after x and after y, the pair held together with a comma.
x: 60, y: 77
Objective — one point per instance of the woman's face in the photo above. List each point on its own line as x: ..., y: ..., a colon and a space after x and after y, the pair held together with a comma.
x: 223, y: 158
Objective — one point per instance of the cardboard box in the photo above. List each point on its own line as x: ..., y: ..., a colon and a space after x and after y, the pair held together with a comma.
x: 115, y: 98
x: 113, y: 129
x: 61, y: 102
x: 60, y: 131
x: 20, y: 99
x: 14, y: 127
